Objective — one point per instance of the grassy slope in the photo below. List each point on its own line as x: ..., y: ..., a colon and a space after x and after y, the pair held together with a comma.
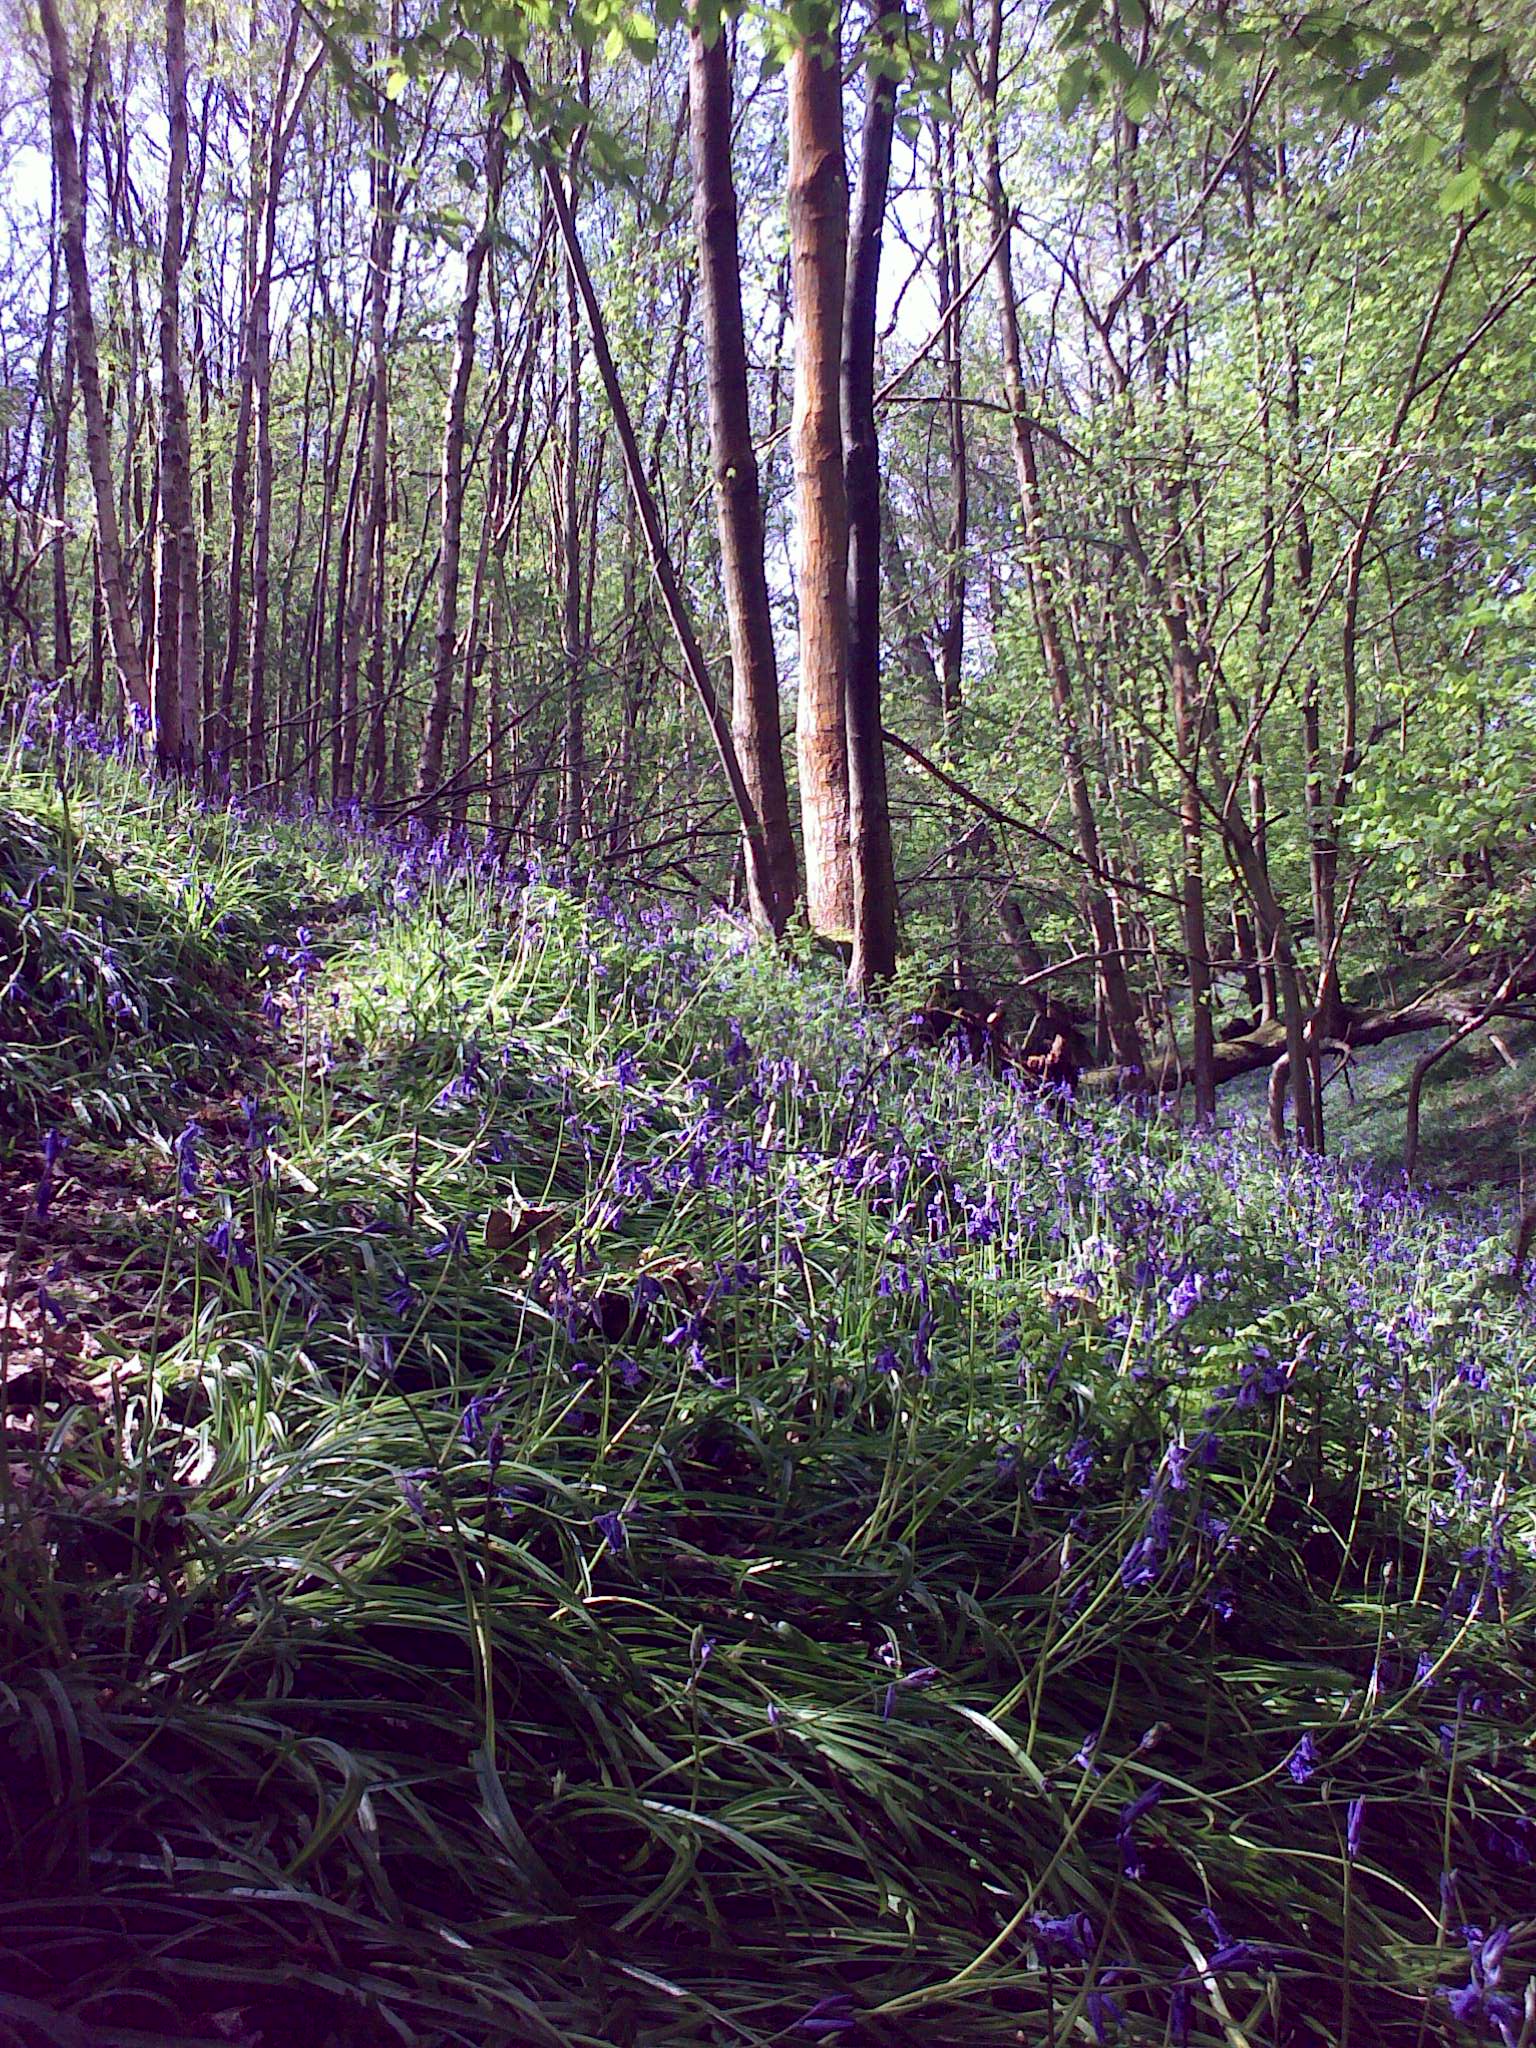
x: 1000, y: 1501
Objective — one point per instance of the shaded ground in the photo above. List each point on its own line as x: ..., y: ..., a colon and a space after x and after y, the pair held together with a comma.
x: 1477, y: 1120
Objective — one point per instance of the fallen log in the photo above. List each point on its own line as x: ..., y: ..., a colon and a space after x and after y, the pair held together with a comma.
x: 1256, y: 1050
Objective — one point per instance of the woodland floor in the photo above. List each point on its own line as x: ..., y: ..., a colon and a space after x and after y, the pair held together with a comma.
x: 565, y: 1486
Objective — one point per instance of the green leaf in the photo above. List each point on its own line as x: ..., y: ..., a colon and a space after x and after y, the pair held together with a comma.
x: 1482, y: 120
x: 640, y: 35
x: 1463, y: 192
x: 1118, y: 62
x: 465, y: 58
x: 1141, y: 95
x: 1410, y: 60
x: 1072, y: 87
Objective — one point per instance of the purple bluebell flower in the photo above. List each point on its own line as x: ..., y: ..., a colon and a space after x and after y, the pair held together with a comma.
x: 400, y: 1297
x: 224, y: 1243
x: 409, y: 1484
x: 54, y: 1144
x: 1227, y: 1954
x: 1186, y: 1298
x: 1125, y: 1829
x: 187, y: 1164
x: 1479, y: 1999
x: 829, y: 2019
x: 472, y: 1420
x: 611, y: 1528
x: 1181, y: 2013
x: 923, y: 1675
x: 1303, y: 1760
x: 1353, y: 1826
x: 49, y: 1305
x: 1067, y: 1939
x: 1103, y: 2015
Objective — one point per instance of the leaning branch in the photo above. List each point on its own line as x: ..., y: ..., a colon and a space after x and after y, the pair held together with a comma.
x: 662, y: 566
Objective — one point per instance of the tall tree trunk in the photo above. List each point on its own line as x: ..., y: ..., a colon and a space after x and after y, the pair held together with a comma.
x: 261, y: 539
x: 869, y: 811
x: 1119, y: 1010
x: 738, y: 496
x: 374, y: 551
x: 452, y: 481
x: 952, y: 625
x: 818, y: 244
x: 1188, y: 720
x: 252, y: 420
x: 109, y: 558
x: 63, y: 406
x: 573, y: 757
x: 176, y: 707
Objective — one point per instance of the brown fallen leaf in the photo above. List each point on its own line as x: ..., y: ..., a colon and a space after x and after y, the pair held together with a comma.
x: 529, y: 1227
x: 681, y: 1277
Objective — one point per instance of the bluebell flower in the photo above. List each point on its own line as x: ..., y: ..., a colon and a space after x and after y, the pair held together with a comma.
x: 611, y: 1528
x: 185, y: 1150
x: 828, y: 2019
x: 1125, y: 1830
x: 1479, y: 1999
x: 409, y: 1484
x: 1067, y: 1939
x: 1354, y: 1824
x: 923, y: 1675
x: 1303, y: 1760
x: 223, y: 1242
x: 1103, y: 2015
x: 1186, y: 1297
x: 49, y: 1305
x: 1181, y: 2013
x: 54, y: 1144
x: 472, y: 1420
x: 1227, y: 1954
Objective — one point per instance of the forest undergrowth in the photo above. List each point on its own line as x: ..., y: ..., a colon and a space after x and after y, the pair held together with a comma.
x: 566, y: 1485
